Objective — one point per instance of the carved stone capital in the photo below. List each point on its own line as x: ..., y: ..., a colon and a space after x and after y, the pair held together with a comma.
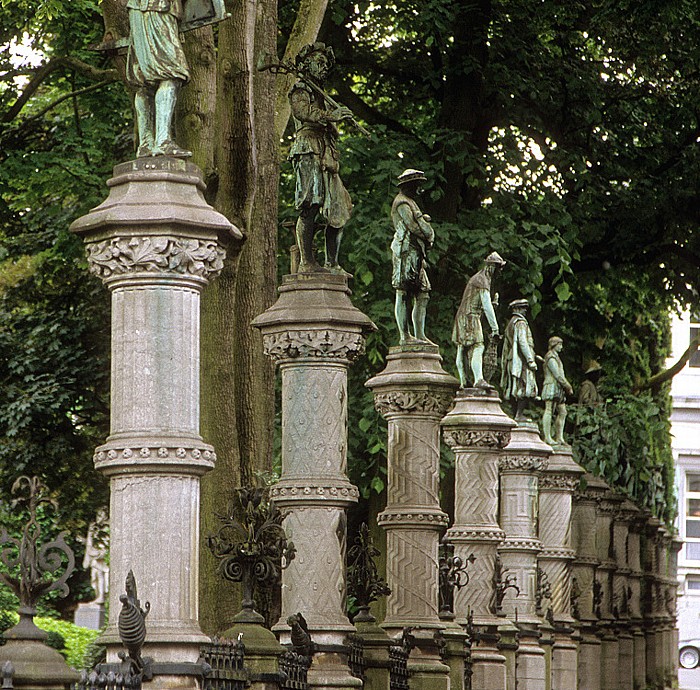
x: 391, y: 402
x: 558, y: 554
x: 164, y: 255
x: 520, y: 463
x: 476, y: 438
x: 559, y: 482
x: 323, y: 343
x: 461, y: 534
x: 521, y: 544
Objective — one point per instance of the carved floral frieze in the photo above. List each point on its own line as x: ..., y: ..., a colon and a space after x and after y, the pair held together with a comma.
x: 161, y: 254
x: 562, y: 482
x: 476, y: 438
x: 329, y: 344
x: 413, y: 401
x: 527, y: 463
x: 159, y: 453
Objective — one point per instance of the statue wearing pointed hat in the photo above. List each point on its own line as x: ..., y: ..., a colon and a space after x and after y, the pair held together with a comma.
x: 413, y: 237
x: 467, y: 332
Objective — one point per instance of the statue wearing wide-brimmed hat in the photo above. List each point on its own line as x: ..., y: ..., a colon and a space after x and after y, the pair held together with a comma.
x: 314, y: 155
x: 413, y: 237
x: 467, y: 331
x: 518, y: 359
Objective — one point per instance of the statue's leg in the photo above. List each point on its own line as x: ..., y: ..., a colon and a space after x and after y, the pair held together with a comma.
x: 333, y: 237
x: 305, y: 229
x: 520, y: 409
x: 547, y: 422
x: 166, y: 99
x: 144, y: 106
x: 420, y: 307
x: 460, y: 366
x: 401, y: 315
x: 477, y: 364
x: 559, y: 423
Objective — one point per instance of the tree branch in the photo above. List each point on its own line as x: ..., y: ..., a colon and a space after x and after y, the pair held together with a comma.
x: 108, y: 76
x: 667, y: 374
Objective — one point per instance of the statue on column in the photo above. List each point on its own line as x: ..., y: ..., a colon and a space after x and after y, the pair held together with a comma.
x: 554, y: 392
x: 156, y: 67
x: 518, y: 359
x: 413, y: 237
x: 314, y: 156
x: 588, y: 392
x: 467, y: 331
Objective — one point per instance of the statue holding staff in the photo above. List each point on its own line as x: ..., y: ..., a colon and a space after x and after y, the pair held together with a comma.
x: 467, y: 331
x: 518, y: 359
x: 156, y: 66
x: 413, y: 237
x: 554, y: 392
x: 314, y: 156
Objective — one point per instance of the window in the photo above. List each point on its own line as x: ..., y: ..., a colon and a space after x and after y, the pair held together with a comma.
x: 692, y: 584
x: 694, y: 360
x: 692, y: 517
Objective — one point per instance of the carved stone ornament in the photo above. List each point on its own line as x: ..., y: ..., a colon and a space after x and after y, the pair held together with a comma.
x: 563, y: 482
x: 327, y: 344
x: 439, y: 519
x: 305, y: 491
x: 527, y: 463
x: 492, y: 535
x: 476, y: 438
x: 175, y: 255
x: 413, y: 401
x: 159, y: 453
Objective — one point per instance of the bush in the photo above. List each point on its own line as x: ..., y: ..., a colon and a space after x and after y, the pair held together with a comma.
x: 77, y: 639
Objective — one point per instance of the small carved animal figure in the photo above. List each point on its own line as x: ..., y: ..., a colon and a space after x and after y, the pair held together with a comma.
x: 301, y: 638
x: 132, y: 622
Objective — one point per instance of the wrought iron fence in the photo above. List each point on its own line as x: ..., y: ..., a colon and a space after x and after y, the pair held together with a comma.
x: 356, y: 657
x: 294, y: 668
x: 111, y: 680
x: 398, y: 667
x: 226, y: 660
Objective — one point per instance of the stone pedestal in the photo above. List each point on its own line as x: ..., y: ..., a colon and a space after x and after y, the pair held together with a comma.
x: 314, y: 332
x: 606, y: 510
x: 636, y: 527
x: 262, y: 653
x: 375, y: 644
x: 556, y: 488
x: 155, y: 243
x: 520, y: 465
x: 584, y: 593
x: 90, y: 615
x: 477, y: 430
x: 412, y: 394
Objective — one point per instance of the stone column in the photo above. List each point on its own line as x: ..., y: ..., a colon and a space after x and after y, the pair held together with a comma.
x: 652, y: 600
x: 520, y: 465
x: 412, y: 394
x: 621, y: 595
x: 607, y: 630
x: 156, y: 243
x: 557, y: 485
x: 635, y: 597
x: 314, y: 333
x: 478, y: 430
x: 583, y: 579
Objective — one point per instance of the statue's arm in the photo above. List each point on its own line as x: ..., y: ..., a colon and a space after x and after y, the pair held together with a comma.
x: 414, y: 220
x: 487, y: 305
x: 557, y: 370
x: 305, y: 109
x: 524, y: 347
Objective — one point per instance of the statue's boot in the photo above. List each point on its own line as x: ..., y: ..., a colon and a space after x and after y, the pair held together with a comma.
x: 305, y: 229
x: 559, y: 423
x: 400, y: 314
x: 145, y: 121
x: 165, y: 100
x: 420, y: 308
x: 333, y: 237
x: 547, y: 427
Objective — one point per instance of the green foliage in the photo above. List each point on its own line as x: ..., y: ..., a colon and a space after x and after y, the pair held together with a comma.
x: 77, y: 640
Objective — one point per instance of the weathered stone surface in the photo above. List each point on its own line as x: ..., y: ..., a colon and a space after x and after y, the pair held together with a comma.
x: 36, y: 665
x: 155, y: 243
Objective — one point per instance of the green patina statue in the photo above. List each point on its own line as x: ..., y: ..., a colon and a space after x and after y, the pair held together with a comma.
x: 518, y: 359
x: 413, y: 237
x: 314, y: 156
x: 467, y: 332
x: 157, y: 68
x: 554, y: 392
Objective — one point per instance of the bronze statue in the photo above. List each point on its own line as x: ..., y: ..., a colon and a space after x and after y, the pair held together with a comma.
x: 467, y: 332
x: 156, y: 66
x: 588, y: 392
x: 554, y: 392
x: 314, y: 155
x: 518, y: 360
x: 413, y: 237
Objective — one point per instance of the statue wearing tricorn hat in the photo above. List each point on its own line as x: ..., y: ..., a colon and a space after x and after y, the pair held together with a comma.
x: 413, y: 237
x: 467, y: 332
